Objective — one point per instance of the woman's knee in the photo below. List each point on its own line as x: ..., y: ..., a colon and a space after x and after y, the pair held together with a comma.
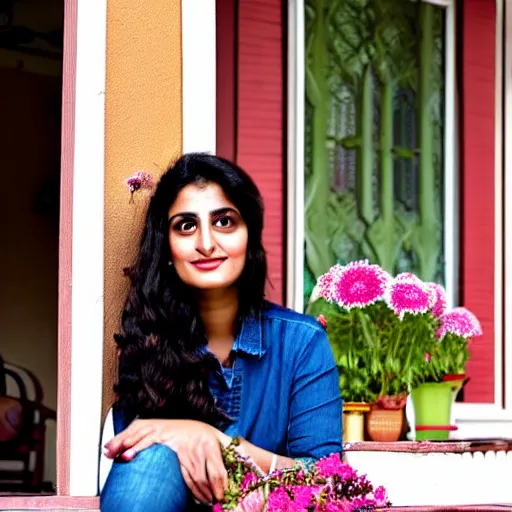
x: 151, y: 481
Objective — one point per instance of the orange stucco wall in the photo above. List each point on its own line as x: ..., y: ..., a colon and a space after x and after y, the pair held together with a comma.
x: 143, y: 131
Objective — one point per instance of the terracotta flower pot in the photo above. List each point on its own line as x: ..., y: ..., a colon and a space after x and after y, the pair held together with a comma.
x: 386, y: 420
x: 353, y: 421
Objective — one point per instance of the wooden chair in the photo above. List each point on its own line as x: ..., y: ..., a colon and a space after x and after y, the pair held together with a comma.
x: 27, y: 445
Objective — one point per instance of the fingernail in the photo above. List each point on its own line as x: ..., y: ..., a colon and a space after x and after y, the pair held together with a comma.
x: 129, y: 454
x: 105, y: 451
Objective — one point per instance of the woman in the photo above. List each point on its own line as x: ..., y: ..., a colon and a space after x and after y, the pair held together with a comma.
x: 203, y: 358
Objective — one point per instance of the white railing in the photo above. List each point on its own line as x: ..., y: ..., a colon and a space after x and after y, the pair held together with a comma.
x: 433, y: 474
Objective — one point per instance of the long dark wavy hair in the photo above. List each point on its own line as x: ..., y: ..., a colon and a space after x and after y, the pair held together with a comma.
x: 161, y: 374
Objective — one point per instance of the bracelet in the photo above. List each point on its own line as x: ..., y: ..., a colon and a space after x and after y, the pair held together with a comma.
x: 273, y: 464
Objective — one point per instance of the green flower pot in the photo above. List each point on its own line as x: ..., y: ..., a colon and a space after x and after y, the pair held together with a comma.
x: 433, y: 407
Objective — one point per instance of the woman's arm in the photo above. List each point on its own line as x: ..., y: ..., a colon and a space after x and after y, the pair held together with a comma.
x: 315, y: 428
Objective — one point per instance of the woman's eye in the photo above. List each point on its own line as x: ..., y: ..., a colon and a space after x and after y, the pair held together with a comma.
x: 224, y: 222
x: 186, y: 226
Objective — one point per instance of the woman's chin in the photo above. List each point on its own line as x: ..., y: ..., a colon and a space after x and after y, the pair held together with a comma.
x: 211, y: 283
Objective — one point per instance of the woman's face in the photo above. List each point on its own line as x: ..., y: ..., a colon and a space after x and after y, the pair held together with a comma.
x: 207, y: 237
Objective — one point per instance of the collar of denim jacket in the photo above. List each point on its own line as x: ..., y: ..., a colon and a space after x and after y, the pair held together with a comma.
x: 250, y: 339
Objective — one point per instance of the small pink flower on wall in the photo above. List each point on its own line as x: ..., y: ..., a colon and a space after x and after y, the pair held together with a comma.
x: 460, y: 322
x: 139, y: 181
x: 407, y: 294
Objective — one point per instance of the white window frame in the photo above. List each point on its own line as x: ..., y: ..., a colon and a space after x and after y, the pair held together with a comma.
x: 87, y: 250
x: 295, y: 192
x: 504, y: 155
x: 199, y: 75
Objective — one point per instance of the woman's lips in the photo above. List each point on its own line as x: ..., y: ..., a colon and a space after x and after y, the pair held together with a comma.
x: 208, y: 265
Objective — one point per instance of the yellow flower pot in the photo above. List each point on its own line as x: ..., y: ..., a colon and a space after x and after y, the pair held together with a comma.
x: 353, y: 421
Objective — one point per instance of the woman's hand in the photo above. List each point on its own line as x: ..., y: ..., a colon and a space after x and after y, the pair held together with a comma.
x: 196, y: 445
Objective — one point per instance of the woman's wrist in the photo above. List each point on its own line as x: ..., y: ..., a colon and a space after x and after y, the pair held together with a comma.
x: 223, y: 438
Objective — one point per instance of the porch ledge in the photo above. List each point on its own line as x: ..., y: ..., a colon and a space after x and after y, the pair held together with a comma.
x: 447, y: 475
x: 470, y: 445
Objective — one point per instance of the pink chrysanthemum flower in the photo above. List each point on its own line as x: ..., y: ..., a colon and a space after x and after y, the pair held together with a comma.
x: 278, y: 500
x: 359, y: 284
x: 302, y: 495
x: 342, y: 506
x: 380, y: 496
x: 325, y: 284
x: 362, y: 503
x: 439, y: 306
x: 252, y: 502
x: 139, y: 180
x: 407, y: 294
x: 461, y: 322
x: 333, y: 465
x: 407, y: 276
x: 249, y: 479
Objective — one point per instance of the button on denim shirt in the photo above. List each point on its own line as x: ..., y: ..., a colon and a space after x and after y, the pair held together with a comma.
x: 282, y: 391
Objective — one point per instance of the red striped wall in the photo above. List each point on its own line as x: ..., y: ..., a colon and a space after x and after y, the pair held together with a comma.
x: 477, y: 144
x: 226, y: 78
x: 260, y: 120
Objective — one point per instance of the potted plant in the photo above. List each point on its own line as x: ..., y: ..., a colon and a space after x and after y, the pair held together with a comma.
x: 391, y: 336
x: 348, y: 299
x: 441, y: 373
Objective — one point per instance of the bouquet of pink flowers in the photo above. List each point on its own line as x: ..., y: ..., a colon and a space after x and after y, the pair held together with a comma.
x: 328, y: 486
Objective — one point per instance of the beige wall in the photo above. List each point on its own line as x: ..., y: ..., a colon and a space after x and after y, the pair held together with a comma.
x: 30, y: 135
x: 143, y: 131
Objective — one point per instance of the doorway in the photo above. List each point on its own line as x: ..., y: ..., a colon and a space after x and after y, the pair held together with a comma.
x: 31, y: 39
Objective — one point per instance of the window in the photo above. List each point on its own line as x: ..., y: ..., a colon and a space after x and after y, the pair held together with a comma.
x: 375, y: 137
x: 365, y: 116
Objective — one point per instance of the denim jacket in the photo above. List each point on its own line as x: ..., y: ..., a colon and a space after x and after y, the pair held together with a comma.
x: 282, y: 391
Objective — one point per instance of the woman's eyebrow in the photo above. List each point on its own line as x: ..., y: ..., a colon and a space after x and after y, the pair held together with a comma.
x: 220, y: 211
x: 188, y: 215
x: 213, y: 213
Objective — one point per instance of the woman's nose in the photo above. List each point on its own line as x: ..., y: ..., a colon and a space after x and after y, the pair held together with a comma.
x: 205, y: 242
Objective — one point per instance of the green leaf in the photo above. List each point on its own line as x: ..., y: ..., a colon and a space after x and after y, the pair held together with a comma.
x: 312, y: 89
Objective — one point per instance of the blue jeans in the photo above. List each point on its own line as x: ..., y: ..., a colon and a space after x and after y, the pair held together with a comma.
x: 151, y: 482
